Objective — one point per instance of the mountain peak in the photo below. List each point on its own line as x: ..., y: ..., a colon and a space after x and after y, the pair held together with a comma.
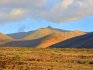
x: 49, y: 27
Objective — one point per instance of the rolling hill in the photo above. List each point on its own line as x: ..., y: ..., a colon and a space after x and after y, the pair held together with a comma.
x: 4, y: 38
x: 44, y: 42
x: 55, y: 38
x: 84, y: 41
x: 50, y: 40
x: 47, y: 40
x: 26, y: 43
x: 39, y: 33
x: 19, y: 35
x: 42, y: 32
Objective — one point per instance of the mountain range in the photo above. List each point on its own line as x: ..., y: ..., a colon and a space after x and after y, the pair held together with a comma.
x: 47, y: 38
x: 39, y: 33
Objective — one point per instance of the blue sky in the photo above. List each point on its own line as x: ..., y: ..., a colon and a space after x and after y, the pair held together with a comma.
x: 29, y: 24
x: 23, y: 15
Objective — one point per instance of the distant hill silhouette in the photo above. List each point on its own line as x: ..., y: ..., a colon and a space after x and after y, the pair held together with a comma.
x: 19, y: 35
x: 84, y: 41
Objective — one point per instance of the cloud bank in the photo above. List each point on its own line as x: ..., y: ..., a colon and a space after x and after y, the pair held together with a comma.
x: 52, y: 10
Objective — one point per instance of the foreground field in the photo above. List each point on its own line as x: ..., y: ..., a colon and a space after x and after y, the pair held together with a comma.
x: 45, y: 59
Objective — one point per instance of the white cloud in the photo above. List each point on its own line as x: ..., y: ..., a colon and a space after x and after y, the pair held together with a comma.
x: 66, y: 3
x: 17, y: 13
x: 12, y: 15
x: 61, y: 11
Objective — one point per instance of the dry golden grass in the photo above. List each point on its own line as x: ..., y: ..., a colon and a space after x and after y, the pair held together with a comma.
x: 45, y: 59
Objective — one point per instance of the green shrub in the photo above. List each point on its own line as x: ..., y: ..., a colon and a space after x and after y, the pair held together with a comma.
x: 82, y: 62
x: 85, y: 61
x: 90, y: 62
x: 18, y: 57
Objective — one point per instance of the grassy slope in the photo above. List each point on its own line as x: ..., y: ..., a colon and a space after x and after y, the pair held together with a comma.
x: 45, y: 59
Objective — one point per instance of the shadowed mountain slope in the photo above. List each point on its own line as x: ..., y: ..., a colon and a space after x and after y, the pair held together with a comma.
x: 44, y: 42
x: 84, y: 41
x: 26, y: 43
x: 19, y: 35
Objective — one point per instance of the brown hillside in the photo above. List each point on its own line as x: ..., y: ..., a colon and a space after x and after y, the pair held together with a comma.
x: 72, y: 34
x: 84, y: 41
x: 55, y: 38
x: 45, y: 41
x: 41, y: 33
x: 50, y: 40
x: 4, y: 38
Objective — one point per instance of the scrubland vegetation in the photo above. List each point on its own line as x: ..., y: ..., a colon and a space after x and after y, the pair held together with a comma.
x: 45, y: 59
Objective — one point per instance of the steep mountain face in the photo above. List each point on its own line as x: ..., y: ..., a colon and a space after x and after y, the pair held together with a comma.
x: 19, y: 35
x: 42, y: 33
x: 84, y: 41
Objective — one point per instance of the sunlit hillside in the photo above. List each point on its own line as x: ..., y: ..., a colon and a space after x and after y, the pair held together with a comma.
x: 4, y: 38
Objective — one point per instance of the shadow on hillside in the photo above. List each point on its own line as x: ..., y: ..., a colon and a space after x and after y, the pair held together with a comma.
x: 84, y: 41
x: 26, y: 43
